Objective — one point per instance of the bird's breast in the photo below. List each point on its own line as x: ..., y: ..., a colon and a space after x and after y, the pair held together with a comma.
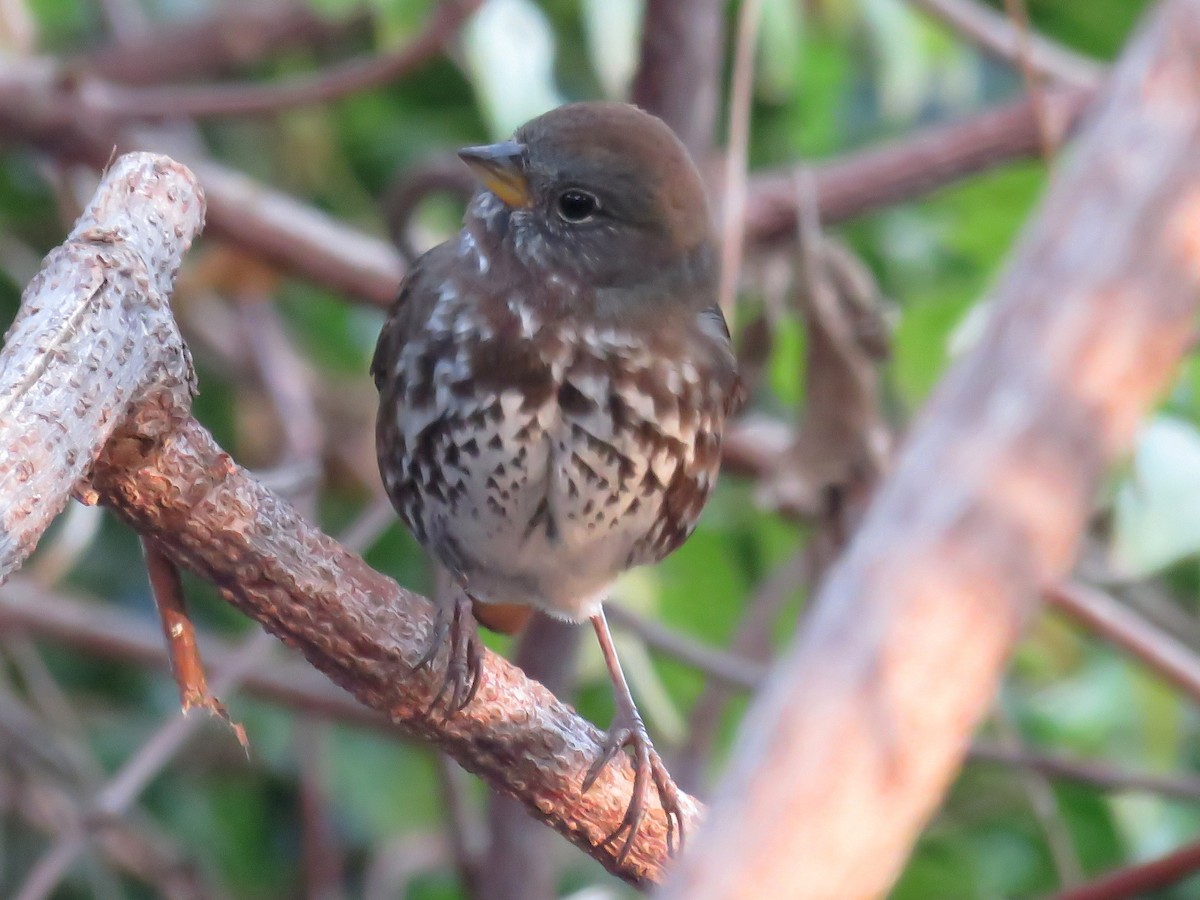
x: 545, y: 451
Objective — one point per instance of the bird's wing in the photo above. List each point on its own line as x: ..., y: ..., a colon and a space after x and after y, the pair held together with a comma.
x: 410, y: 312
x: 712, y: 323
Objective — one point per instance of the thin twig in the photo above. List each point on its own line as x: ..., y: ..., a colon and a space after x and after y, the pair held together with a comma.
x: 1043, y: 803
x: 177, y: 101
x: 1098, y: 775
x: 752, y: 640
x: 1120, y: 625
x: 1140, y: 880
x: 1019, y: 17
x: 131, y: 779
x: 733, y: 194
x: 232, y: 36
x: 858, y: 183
x: 727, y: 668
x: 1001, y: 37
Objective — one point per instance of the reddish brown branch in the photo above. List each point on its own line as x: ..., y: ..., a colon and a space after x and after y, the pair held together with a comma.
x: 179, y: 634
x: 856, y: 734
x: 1140, y: 880
x: 1103, y: 615
x: 96, y: 629
x: 366, y: 633
x: 911, y: 167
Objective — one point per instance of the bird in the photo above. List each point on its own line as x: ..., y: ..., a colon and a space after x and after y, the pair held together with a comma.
x: 554, y: 382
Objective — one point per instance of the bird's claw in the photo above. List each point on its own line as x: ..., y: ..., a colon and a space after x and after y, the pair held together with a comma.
x: 464, y: 665
x: 646, y: 765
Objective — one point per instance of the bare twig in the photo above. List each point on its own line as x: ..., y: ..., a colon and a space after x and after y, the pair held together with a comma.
x: 726, y: 668
x: 1018, y: 17
x: 751, y: 641
x: 180, y: 636
x: 234, y: 37
x: 1087, y: 772
x: 733, y: 193
x: 195, y: 101
x: 131, y: 779
x: 858, y: 183
x: 1043, y: 803
x: 860, y: 727
x: 1140, y: 880
x: 1002, y: 37
x: 1120, y: 625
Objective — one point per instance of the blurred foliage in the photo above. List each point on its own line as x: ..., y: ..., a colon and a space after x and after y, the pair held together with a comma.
x: 833, y: 75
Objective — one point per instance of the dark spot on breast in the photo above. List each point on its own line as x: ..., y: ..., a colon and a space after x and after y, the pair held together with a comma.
x: 573, y: 401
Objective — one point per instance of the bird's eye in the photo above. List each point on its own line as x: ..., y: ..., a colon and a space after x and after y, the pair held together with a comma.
x: 577, y: 206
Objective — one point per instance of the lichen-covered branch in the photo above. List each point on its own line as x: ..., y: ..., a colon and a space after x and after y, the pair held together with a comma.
x: 93, y: 341
x: 851, y: 743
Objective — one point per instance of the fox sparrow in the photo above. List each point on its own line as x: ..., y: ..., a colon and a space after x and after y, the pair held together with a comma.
x: 553, y: 384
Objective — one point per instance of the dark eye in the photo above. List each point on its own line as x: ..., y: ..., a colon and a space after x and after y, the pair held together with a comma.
x: 577, y: 206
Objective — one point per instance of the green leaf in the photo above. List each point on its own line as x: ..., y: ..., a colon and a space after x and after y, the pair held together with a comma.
x: 1157, y: 510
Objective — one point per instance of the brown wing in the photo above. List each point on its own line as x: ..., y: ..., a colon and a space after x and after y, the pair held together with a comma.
x: 408, y: 315
x: 689, y: 488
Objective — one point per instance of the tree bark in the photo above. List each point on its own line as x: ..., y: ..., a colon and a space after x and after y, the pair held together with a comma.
x: 848, y: 748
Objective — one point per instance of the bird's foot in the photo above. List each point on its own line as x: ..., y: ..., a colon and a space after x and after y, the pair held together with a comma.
x: 464, y: 665
x: 627, y: 730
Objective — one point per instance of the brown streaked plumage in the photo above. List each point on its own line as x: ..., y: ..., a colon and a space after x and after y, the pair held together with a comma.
x: 554, y: 383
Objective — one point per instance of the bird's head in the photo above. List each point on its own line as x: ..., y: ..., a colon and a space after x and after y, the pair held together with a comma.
x: 602, y: 193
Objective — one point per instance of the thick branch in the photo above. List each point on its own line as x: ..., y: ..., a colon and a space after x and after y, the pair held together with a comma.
x: 93, y: 338
x: 860, y: 728
x: 366, y: 633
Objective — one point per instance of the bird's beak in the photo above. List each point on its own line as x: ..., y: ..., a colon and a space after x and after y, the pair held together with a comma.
x: 500, y: 167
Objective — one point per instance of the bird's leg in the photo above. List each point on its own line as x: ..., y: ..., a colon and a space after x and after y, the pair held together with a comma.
x: 464, y: 664
x: 628, y: 730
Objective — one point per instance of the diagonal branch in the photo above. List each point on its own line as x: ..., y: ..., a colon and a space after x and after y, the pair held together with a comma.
x: 1002, y: 37
x: 366, y: 633
x: 848, y: 748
